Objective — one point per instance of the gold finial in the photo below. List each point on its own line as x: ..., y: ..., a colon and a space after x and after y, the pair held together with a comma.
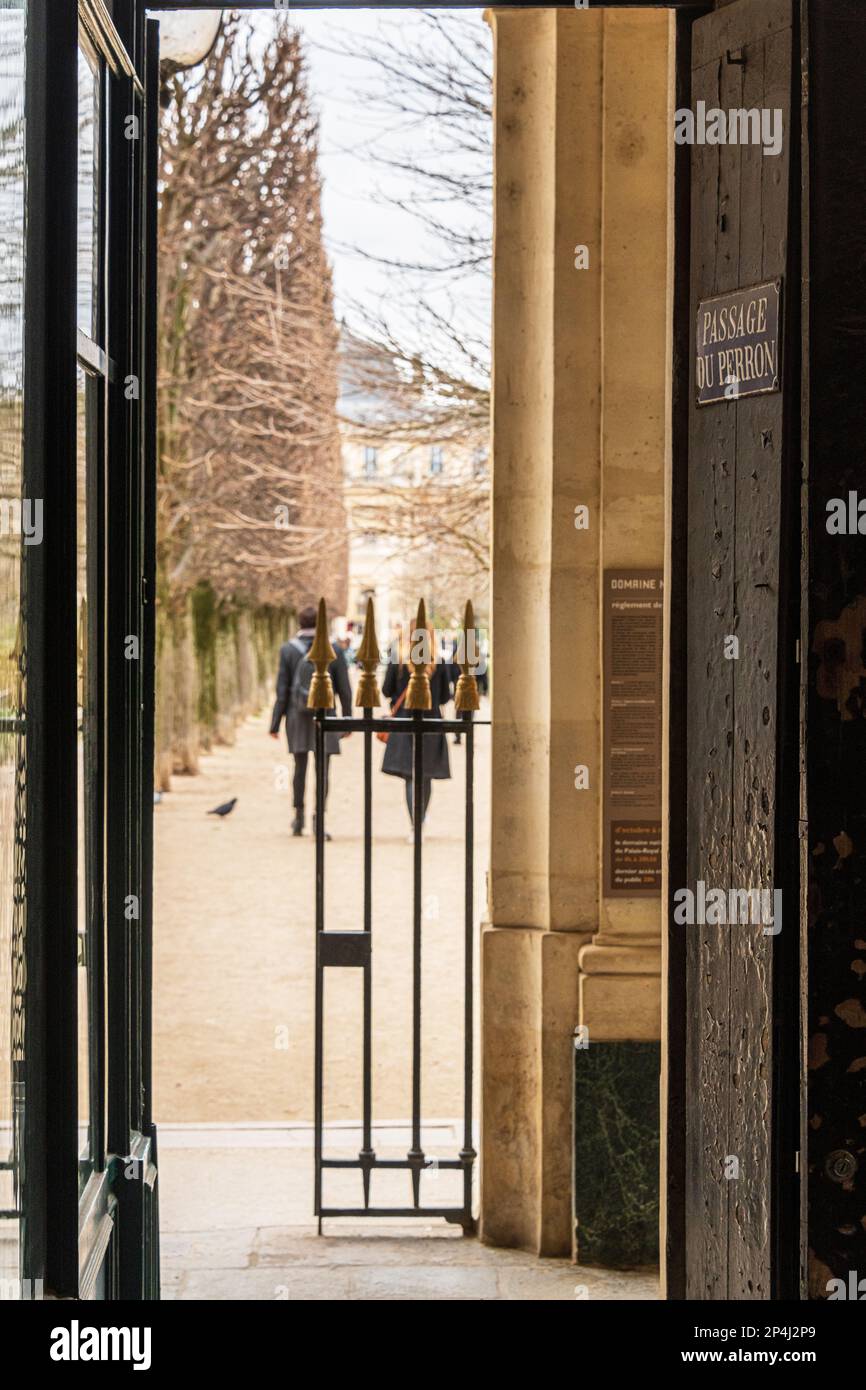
x: 321, y: 654
x: 466, y: 695
x: 367, y: 695
x: 418, y: 691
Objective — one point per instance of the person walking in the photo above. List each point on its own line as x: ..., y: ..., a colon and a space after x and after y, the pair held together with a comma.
x: 482, y: 675
x: 293, y: 687
x: 450, y: 653
x: 398, y: 759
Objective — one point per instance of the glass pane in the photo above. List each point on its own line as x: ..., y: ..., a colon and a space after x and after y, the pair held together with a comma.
x: 89, y: 862
x: 88, y: 196
x: 20, y: 522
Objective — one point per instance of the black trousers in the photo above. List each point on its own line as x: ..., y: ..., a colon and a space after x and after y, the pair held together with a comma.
x: 299, y: 781
x: 410, y: 795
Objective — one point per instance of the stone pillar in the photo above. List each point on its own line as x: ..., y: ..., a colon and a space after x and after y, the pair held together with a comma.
x: 578, y: 421
x: 620, y: 970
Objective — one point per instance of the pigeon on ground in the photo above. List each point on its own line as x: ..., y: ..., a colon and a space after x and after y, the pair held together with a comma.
x: 226, y: 808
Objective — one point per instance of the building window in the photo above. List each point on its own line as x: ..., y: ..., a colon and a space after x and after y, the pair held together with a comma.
x: 437, y: 459
x: 371, y: 460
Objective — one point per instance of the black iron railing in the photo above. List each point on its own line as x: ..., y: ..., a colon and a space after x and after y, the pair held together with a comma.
x: 353, y: 949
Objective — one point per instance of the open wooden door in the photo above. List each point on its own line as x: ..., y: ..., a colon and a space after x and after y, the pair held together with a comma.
x: 742, y: 1071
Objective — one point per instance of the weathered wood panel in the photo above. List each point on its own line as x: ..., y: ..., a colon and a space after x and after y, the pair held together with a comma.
x: 710, y: 617
x: 740, y: 217
x: 760, y: 442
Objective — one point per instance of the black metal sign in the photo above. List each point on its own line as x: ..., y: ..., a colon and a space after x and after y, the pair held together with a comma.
x: 737, y: 344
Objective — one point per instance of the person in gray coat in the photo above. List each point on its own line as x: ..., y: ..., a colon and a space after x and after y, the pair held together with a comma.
x: 293, y: 687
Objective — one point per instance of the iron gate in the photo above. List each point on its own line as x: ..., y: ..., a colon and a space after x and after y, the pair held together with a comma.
x: 341, y: 950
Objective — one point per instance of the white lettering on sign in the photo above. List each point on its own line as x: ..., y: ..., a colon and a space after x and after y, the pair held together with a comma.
x: 737, y: 341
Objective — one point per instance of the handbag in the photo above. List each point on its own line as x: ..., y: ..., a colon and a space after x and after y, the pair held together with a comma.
x: 383, y: 737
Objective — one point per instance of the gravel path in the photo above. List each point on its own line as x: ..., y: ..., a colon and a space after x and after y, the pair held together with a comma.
x: 234, y: 939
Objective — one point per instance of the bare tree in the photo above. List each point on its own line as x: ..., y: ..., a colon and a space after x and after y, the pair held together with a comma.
x: 428, y: 96
x: 428, y: 93
x: 251, y: 515
x: 251, y: 484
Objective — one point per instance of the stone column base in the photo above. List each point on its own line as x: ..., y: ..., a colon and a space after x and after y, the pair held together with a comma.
x: 529, y: 1012
x: 538, y: 1146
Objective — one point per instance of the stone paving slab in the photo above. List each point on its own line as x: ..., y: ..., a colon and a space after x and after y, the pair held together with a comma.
x: 539, y: 1280
x: 423, y: 1283
x: 275, y: 1246
x: 182, y: 1251
x: 264, y: 1285
x: 237, y: 1225
x: 472, y: 1273
x: 418, y: 1264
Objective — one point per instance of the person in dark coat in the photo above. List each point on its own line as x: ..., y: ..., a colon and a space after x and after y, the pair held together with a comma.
x: 482, y: 675
x: 397, y: 761
x: 293, y: 687
x: 450, y: 653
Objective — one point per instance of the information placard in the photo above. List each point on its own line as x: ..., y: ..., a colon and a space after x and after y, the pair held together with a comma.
x: 633, y: 607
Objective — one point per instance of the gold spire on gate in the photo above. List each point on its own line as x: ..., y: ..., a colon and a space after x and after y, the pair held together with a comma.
x: 321, y: 654
x: 367, y: 695
x: 466, y: 695
x: 418, y: 691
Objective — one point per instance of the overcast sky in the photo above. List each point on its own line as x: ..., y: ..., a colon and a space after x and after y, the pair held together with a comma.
x: 352, y: 216
x: 356, y: 221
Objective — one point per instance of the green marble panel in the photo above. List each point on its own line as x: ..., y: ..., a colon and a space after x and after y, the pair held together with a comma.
x: 616, y: 1153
